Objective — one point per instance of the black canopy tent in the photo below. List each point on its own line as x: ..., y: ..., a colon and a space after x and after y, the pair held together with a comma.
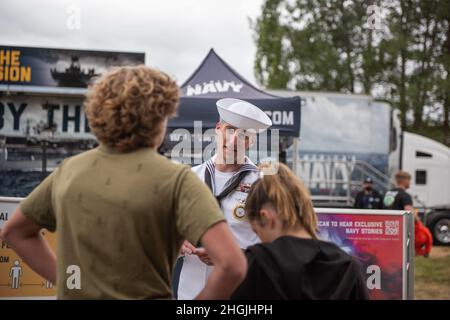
x: 215, y: 79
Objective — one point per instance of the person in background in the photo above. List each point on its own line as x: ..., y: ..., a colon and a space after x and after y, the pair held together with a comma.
x: 122, y: 211
x: 399, y: 199
x: 368, y: 197
x: 292, y: 263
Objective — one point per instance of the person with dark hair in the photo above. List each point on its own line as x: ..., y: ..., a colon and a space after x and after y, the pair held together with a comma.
x: 368, y: 197
x: 122, y: 211
x: 292, y: 263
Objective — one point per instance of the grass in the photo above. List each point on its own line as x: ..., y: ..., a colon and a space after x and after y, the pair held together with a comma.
x: 432, y: 275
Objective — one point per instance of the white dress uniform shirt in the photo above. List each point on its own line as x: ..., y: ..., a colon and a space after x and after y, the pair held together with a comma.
x: 194, y: 272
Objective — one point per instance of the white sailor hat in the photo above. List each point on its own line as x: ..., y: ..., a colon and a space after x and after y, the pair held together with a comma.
x: 243, y: 115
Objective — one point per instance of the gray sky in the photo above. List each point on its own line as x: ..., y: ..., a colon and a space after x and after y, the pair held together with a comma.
x: 174, y: 34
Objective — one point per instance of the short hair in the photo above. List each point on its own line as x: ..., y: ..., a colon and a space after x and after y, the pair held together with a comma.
x: 126, y: 106
x: 402, y: 175
x: 283, y: 190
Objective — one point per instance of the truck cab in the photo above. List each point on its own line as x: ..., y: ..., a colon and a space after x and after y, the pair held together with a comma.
x: 428, y: 161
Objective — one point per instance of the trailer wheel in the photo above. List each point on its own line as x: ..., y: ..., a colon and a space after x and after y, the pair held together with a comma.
x: 440, y: 228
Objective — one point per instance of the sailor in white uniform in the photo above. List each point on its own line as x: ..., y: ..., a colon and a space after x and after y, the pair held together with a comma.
x: 229, y: 174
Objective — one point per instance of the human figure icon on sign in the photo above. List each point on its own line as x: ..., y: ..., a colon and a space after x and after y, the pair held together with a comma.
x: 15, y: 273
x: 48, y: 284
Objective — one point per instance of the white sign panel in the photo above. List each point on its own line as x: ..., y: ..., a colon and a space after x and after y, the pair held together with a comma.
x: 29, y: 116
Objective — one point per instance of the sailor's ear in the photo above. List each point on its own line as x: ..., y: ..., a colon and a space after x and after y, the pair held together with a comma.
x: 218, y: 127
x: 251, y: 140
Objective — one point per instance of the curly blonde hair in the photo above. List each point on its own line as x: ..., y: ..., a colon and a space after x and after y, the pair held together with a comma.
x: 127, y: 106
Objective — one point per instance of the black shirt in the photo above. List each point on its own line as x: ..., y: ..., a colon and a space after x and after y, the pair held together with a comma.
x: 368, y: 200
x: 295, y: 268
x: 397, y: 199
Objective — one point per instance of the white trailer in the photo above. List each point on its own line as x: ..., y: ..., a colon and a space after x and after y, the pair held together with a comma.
x: 346, y: 137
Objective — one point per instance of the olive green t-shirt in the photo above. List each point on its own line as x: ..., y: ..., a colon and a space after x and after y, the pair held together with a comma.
x: 121, y: 219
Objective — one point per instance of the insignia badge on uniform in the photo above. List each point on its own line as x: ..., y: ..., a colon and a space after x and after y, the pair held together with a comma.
x: 245, y: 187
x: 239, y: 211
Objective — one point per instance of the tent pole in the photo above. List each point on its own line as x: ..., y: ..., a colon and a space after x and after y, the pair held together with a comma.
x: 295, y: 154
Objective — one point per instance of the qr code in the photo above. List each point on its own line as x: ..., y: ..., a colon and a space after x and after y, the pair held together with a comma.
x: 391, y: 228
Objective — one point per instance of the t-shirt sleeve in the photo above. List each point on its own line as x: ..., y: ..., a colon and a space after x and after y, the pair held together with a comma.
x: 196, y: 209
x: 247, y: 289
x: 407, y: 200
x: 37, y: 206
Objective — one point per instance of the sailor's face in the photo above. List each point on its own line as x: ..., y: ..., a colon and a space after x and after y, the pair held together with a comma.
x: 232, y: 142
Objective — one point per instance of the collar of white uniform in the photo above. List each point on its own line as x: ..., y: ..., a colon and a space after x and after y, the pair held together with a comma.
x: 211, y: 167
x: 247, y: 166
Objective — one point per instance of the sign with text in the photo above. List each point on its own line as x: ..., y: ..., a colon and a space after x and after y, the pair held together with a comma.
x: 379, y: 240
x: 30, y: 116
x: 59, y: 67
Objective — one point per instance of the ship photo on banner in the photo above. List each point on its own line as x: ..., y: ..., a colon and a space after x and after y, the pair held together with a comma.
x: 59, y: 67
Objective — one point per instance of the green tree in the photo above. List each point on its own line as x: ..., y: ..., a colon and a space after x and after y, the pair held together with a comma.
x: 442, y: 89
x: 271, y: 61
x: 329, y: 45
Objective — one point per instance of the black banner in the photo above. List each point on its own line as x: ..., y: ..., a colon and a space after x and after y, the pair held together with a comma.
x: 59, y: 67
